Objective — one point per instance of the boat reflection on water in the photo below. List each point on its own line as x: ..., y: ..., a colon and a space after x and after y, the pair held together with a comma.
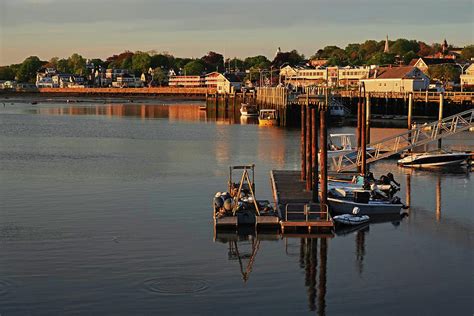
x: 243, y: 247
x: 248, y: 120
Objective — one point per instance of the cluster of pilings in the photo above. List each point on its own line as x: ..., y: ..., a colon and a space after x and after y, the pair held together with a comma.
x: 314, y: 165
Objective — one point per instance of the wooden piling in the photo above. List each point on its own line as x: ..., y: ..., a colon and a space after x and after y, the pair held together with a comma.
x: 368, y: 112
x: 315, y: 188
x: 309, y: 160
x: 303, y: 143
x: 323, y: 140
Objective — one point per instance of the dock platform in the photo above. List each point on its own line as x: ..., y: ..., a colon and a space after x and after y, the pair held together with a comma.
x: 294, y: 203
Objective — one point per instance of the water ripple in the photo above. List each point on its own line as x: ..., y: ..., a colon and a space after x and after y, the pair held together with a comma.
x: 176, y: 285
x: 4, y: 287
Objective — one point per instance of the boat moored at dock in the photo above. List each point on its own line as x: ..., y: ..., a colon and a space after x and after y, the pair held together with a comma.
x: 437, y: 158
x: 268, y: 117
x: 239, y: 207
x: 248, y: 110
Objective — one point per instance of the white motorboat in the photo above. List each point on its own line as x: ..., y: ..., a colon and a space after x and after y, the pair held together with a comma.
x: 341, y: 144
x: 248, y: 110
x: 434, y: 159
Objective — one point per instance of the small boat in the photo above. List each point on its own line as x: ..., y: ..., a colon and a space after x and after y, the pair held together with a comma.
x: 352, y: 219
x: 369, y: 202
x: 248, y: 110
x: 239, y: 207
x: 437, y: 158
x: 268, y: 118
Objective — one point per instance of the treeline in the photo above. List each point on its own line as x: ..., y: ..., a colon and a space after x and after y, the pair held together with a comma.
x: 368, y: 53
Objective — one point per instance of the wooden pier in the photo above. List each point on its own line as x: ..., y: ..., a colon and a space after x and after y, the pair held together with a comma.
x: 294, y: 204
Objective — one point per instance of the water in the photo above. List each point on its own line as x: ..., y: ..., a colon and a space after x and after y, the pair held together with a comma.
x: 105, y: 209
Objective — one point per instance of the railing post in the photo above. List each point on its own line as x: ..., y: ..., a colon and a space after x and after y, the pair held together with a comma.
x: 440, y: 117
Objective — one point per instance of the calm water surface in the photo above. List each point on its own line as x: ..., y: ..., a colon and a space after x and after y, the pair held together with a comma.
x: 105, y: 209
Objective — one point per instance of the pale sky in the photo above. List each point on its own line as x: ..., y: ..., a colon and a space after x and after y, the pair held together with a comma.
x: 191, y: 28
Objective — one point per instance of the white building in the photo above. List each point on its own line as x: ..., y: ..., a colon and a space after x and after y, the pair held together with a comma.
x: 397, y: 79
x: 467, y: 79
x: 186, y: 81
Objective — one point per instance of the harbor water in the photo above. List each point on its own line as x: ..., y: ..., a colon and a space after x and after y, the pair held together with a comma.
x: 105, y: 209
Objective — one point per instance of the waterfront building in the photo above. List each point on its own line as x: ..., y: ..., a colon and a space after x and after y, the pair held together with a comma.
x: 333, y: 76
x: 467, y: 79
x: 186, y: 81
x: 224, y: 83
x: 44, y: 78
x: 127, y: 81
x: 397, y: 79
x: 423, y: 63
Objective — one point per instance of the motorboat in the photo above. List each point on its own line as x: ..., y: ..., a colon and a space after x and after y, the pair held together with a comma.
x: 340, y: 206
x: 268, y: 117
x: 238, y: 205
x: 337, y: 109
x: 351, y: 219
x: 248, y: 110
x: 437, y: 158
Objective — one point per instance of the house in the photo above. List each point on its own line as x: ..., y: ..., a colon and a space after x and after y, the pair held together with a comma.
x: 44, y: 78
x: 396, y: 79
x: 424, y: 63
x: 467, y: 79
x: 229, y: 83
x: 8, y: 84
x: 127, y: 81
x: 350, y: 76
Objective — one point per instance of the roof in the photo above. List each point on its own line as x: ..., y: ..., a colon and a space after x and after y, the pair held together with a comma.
x: 433, y: 61
x: 395, y: 72
x: 232, y: 77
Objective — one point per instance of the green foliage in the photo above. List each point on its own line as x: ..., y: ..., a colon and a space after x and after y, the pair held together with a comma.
x: 467, y: 52
x: 291, y: 58
x: 256, y: 62
x: 159, y: 76
x: 28, y: 69
x: 194, y: 68
x: 409, y: 56
x: 77, y: 64
x: 181, y: 62
x: 381, y: 59
x: 234, y: 63
x: 141, y: 62
x: 7, y: 73
x: 164, y: 61
x: 444, y: 73
x: 213, y: 61
x: 62, y: 65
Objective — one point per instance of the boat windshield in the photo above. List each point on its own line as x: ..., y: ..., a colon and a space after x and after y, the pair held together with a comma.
x: 267, y: 115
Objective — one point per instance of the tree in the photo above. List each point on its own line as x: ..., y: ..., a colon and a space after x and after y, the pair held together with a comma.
x: 28, y: 69
x: 77, y: 64
x: 234, y: 64
x: 381, y: 59
x: 444, y: 73
x: 213, y: 61
x: 163, y: 60
x: 409, y: 56
x: 467, y: 52
x: 159, y: 76
x: 258, y: 61
x: 291, y: 58
x: 424, y: 49
x: 7, y: 73
x: 141, y: 62
x: 194, y: 68
x: 62, y: 65
x: 402, y: 46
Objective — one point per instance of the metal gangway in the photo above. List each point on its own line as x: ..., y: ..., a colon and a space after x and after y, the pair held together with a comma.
x: 392, y: 145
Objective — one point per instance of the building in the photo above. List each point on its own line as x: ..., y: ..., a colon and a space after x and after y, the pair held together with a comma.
x: 186, y: 81
x: 397, y: 79
x: 332, y: 76
x: 224, y: 83
x: 423, y: 63
x: 127, y: 81
x: 44, y: 78
x: 467, y: 79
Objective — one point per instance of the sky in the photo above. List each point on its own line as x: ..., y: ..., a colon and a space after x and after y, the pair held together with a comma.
x: 191, y: 28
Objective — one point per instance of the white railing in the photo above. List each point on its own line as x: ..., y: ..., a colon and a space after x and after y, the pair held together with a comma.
x: 421, y: 135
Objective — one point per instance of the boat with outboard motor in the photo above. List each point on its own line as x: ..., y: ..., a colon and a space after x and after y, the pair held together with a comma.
x: 268, y: 117
x: 369, y: 195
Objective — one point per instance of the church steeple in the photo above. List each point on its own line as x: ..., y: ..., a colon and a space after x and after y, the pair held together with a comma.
x: 386, y: 49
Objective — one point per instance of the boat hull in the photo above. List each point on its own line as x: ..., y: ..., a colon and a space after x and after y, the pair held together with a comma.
x: 342, y: 206
x: 262, y: 122
x: 436, y: 160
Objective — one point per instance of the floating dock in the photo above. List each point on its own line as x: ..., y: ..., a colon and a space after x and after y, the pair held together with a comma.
x: 293, y: 203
